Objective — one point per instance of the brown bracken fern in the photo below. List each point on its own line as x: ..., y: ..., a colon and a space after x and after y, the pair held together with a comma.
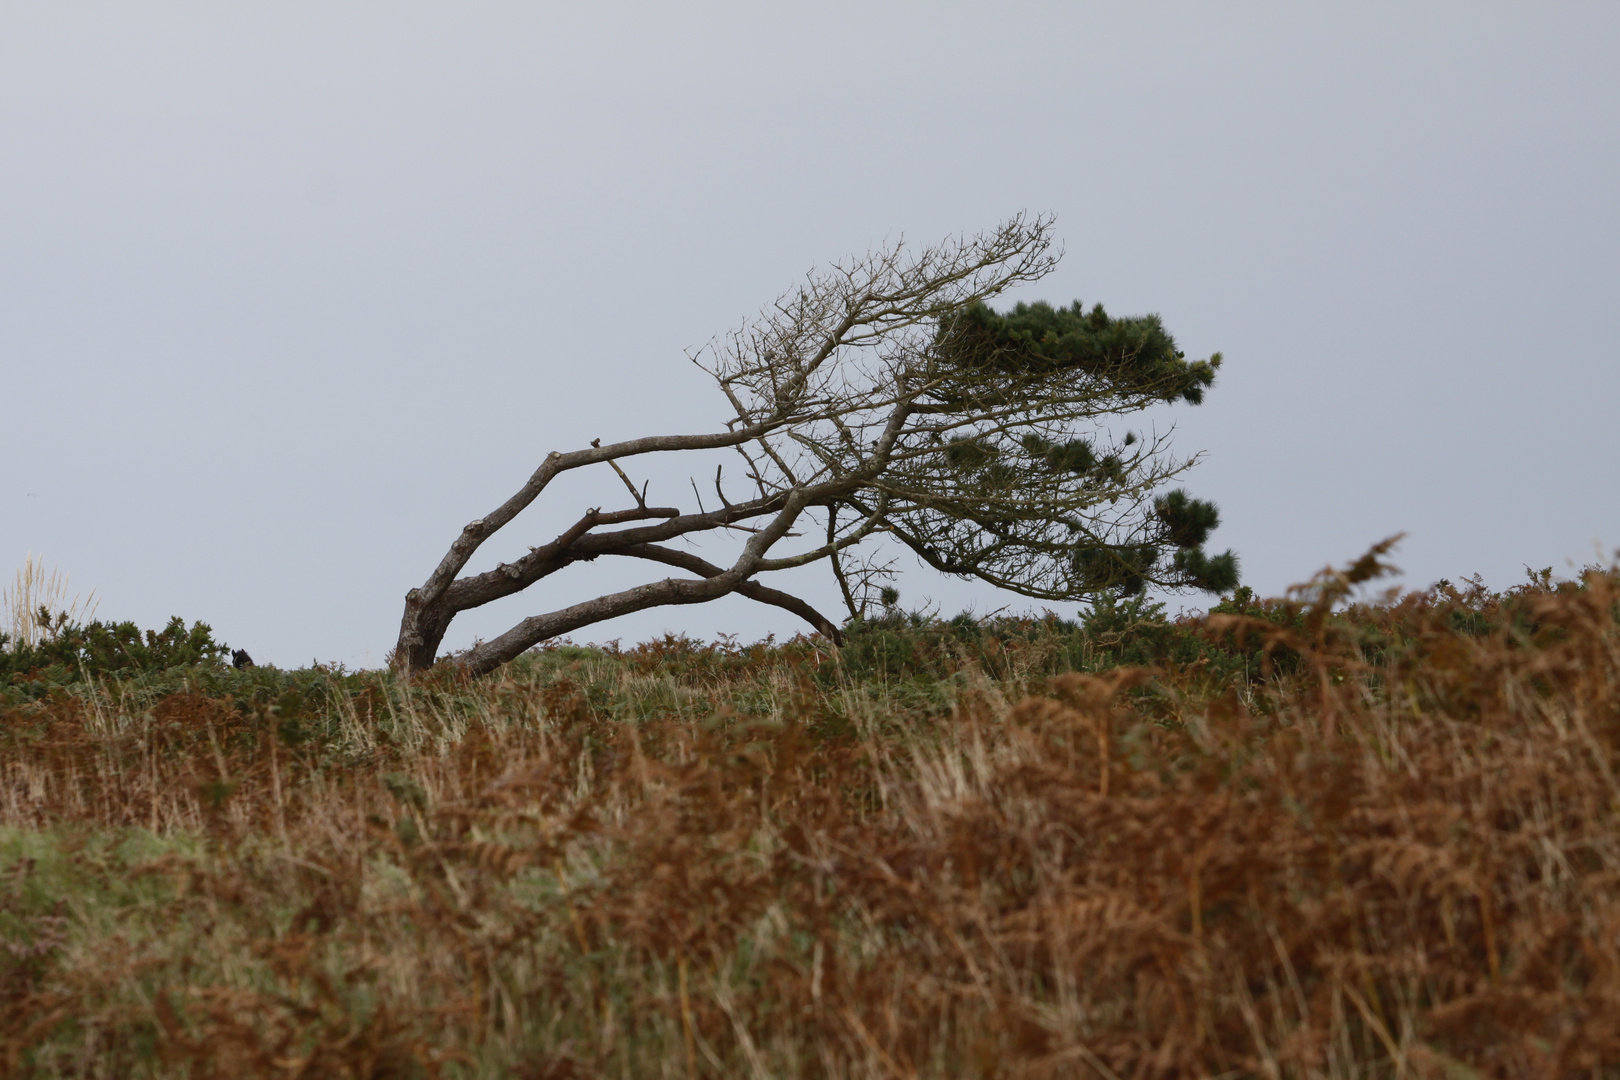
x: 1394, y: 854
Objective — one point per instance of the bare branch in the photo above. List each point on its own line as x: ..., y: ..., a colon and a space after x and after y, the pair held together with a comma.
x: 873, y: 521
x: 508, y: 578
x: 838, y: 563
x: 753, y: 590
x: 639, y: 496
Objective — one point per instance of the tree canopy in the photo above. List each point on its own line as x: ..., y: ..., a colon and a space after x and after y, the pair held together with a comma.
x: 885, y: 396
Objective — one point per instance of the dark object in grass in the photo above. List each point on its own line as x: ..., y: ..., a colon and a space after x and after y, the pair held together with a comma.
x: 240, y: 659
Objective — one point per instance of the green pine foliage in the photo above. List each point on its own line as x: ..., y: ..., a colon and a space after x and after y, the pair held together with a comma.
x: 1137, y: 354
x: 1036, y: 483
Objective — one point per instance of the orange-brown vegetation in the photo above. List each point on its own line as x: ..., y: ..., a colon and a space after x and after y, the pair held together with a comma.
x: 1387, y: 847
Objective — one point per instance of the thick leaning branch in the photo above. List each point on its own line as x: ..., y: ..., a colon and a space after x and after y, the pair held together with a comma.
x: 576, y: 544
x: 685, y: 560
x: 487, y: 656
x: 428, y: 621
x: 426, y: 616
x: 480, y: 529
x: 508, y: 578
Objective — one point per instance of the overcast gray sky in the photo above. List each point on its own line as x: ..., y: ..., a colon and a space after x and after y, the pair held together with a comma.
x: 290, y: 292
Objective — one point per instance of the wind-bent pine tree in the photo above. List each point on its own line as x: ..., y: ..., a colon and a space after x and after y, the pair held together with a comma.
x: 885, y: 396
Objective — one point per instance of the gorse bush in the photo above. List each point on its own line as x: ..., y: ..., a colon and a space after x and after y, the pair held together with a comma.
x: 1305, y: 837
x: 65, y: 652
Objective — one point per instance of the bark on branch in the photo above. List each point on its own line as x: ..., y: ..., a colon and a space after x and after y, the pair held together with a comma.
x: 685, y: 560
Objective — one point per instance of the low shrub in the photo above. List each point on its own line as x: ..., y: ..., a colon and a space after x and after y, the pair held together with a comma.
x: 69, y: 653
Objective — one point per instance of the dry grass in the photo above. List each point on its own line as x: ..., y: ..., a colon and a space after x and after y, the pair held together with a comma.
x: 632, y: 866
x: 33, y: 589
